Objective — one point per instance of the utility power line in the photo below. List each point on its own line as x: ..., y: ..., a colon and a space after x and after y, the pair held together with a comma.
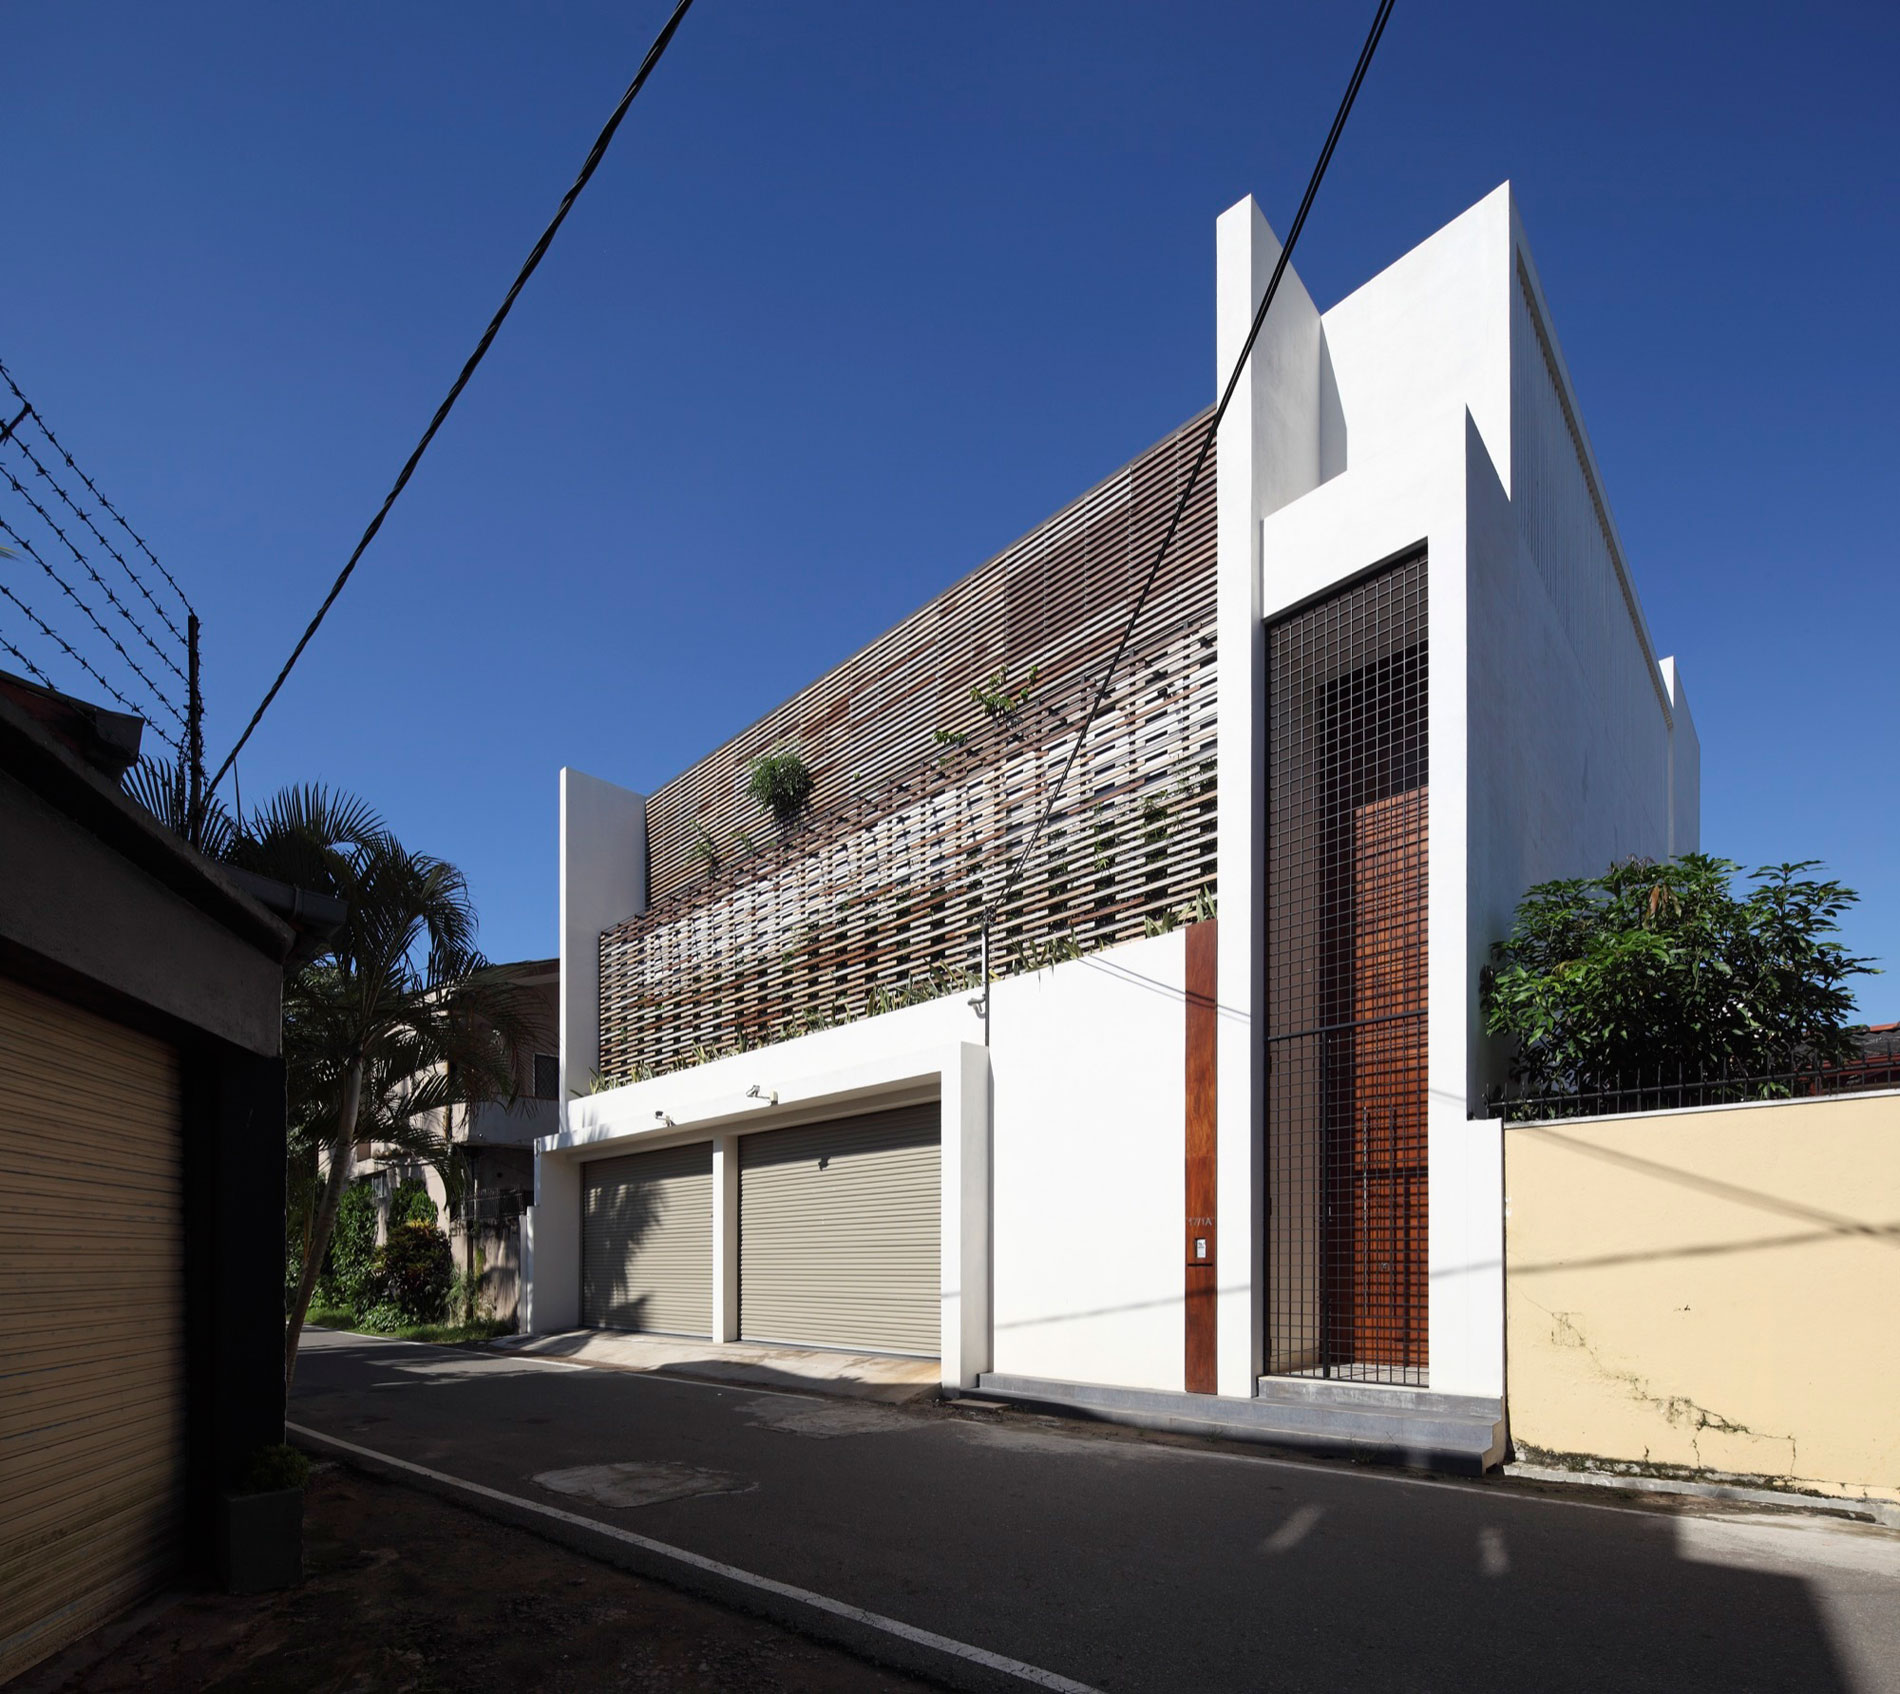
x: 1187, y: 492
x: 599, y: 151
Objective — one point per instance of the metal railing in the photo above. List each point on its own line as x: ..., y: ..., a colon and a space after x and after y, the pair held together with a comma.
x: 1667, y: 1089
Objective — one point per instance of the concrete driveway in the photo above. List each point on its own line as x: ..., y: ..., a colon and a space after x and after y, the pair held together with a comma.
x: 1053, y: 1554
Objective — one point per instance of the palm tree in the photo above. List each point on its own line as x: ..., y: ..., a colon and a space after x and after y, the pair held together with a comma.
x: 399, y: 1016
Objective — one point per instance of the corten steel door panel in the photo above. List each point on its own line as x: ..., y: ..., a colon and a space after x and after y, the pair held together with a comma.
x: 839, y: 1233
x: 646, y: 1241
x: 1347, y: 857
x: 1379, y: 1214
x: 92, y: 1380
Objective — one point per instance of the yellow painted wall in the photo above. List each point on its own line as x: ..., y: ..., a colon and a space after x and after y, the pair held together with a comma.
x: 1716, y: 1289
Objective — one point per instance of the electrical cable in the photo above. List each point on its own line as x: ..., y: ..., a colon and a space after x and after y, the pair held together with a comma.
x: 595, y: 155
x: 1187, y: 492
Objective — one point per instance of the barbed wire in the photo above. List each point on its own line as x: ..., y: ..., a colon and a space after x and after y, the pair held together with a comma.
x: 92, y: 488
x: 118, y: 646
x: 104, y: 587
x: 26, y: 664
x: 85, y: 517
x: 77, y: 658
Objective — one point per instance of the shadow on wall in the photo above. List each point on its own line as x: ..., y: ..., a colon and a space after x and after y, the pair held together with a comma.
x: 617, y: 1218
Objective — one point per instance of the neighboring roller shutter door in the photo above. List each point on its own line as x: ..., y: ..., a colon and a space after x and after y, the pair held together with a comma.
x: 646, y: 1241
x: 839, y: 1233
x: 92, y: 1369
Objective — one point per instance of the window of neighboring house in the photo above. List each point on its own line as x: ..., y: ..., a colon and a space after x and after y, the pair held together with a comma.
x: 547, y: 1076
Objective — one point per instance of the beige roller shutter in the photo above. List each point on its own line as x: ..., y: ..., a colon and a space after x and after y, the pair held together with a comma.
x: 838, y: 1233
x: 646, y: 1241
x: 92, y: 1300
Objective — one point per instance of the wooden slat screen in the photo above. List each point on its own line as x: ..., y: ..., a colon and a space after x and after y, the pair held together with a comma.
x: 1056, y: 598
x: 879, y: 894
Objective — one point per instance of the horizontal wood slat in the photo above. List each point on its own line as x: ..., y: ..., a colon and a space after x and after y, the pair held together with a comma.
x: 1056, y: 598
x: 877, y: 899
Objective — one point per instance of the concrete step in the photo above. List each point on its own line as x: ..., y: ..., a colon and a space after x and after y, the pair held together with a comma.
x: 1375, y: 1396
x: 1464, y: 1438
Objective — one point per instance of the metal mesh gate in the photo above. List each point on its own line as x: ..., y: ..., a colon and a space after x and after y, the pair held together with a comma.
x: 1345, y: 917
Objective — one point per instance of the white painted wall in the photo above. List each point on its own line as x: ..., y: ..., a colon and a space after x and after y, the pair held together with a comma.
x: 1281, y: 430
x: 551, y: 1249
x: 1685, y: 766
x: 603, y: 881
x: 1063, y: 1158
x: 1550, y: 720
x: 1089, y: 1067
x: 1405, y: 416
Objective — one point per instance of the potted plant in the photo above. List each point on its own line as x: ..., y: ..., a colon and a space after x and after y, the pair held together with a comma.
x: 260, y: 1523
x: 780, y: 781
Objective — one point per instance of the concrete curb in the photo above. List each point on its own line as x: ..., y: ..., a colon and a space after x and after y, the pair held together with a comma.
x: 1829, y: 1505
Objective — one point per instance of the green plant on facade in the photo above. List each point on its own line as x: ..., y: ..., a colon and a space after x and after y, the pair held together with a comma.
x: 706, y: 850
x: 1047, y: 954
x: 998, y: 699
x: 1659, y: 972
x: 1203, y: 907
x: 950, y: 737
x: 918, y: 990
x: 781, y: 782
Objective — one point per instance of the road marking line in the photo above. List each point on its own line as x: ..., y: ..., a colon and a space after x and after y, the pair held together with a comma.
x: 698, y: 1561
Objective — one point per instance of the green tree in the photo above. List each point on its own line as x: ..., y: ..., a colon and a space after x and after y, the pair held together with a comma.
x: 400, y: 1016
x: 1654, y: 971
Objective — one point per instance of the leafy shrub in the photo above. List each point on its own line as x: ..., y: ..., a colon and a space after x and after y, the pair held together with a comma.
x: 781, y: 781
x: 410, y: 1203
x: 349, y: 1272
x: 414, y: 1270
x: 1665, y: 970
x: 273, y: 1469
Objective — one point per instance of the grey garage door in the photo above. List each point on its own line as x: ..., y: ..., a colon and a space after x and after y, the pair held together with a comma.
x: 838, y: 1233
x: 646, y: 1241
x: 92, y: 1282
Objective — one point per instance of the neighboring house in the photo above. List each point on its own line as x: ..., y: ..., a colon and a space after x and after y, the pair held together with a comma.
x: 496, y: 1142
x: 1393, y: 673
x: 141, y: 1180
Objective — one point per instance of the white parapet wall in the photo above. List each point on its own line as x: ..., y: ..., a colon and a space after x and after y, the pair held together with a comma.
x: 1063, y: 1158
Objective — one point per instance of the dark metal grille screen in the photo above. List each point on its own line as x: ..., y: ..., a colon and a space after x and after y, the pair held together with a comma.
x: 1345, y: 915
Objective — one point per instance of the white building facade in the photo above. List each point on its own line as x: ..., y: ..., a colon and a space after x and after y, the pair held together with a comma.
x: 1207, y: 1174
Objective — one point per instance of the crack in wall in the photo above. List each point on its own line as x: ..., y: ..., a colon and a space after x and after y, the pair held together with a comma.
x: 1677, y: 1410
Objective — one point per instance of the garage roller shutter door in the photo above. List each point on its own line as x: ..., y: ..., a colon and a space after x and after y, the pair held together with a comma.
x: 92, y: 1370
x: 646, y: 1241
x: 838, y: 1233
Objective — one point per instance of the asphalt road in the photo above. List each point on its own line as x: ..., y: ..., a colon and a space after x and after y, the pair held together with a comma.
x: 1128, y: 1563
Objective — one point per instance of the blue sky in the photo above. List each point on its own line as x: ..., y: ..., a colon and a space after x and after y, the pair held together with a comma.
x: 862, y: 293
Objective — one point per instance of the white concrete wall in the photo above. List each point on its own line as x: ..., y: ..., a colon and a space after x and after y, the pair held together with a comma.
x: 1550, y: 734
x: 1089, y: 1155
x: 1685, y: 766
x: 1063, y: 1159
x: 1406, y: 416
x: 1282, y: 430
x: 603, y: 881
